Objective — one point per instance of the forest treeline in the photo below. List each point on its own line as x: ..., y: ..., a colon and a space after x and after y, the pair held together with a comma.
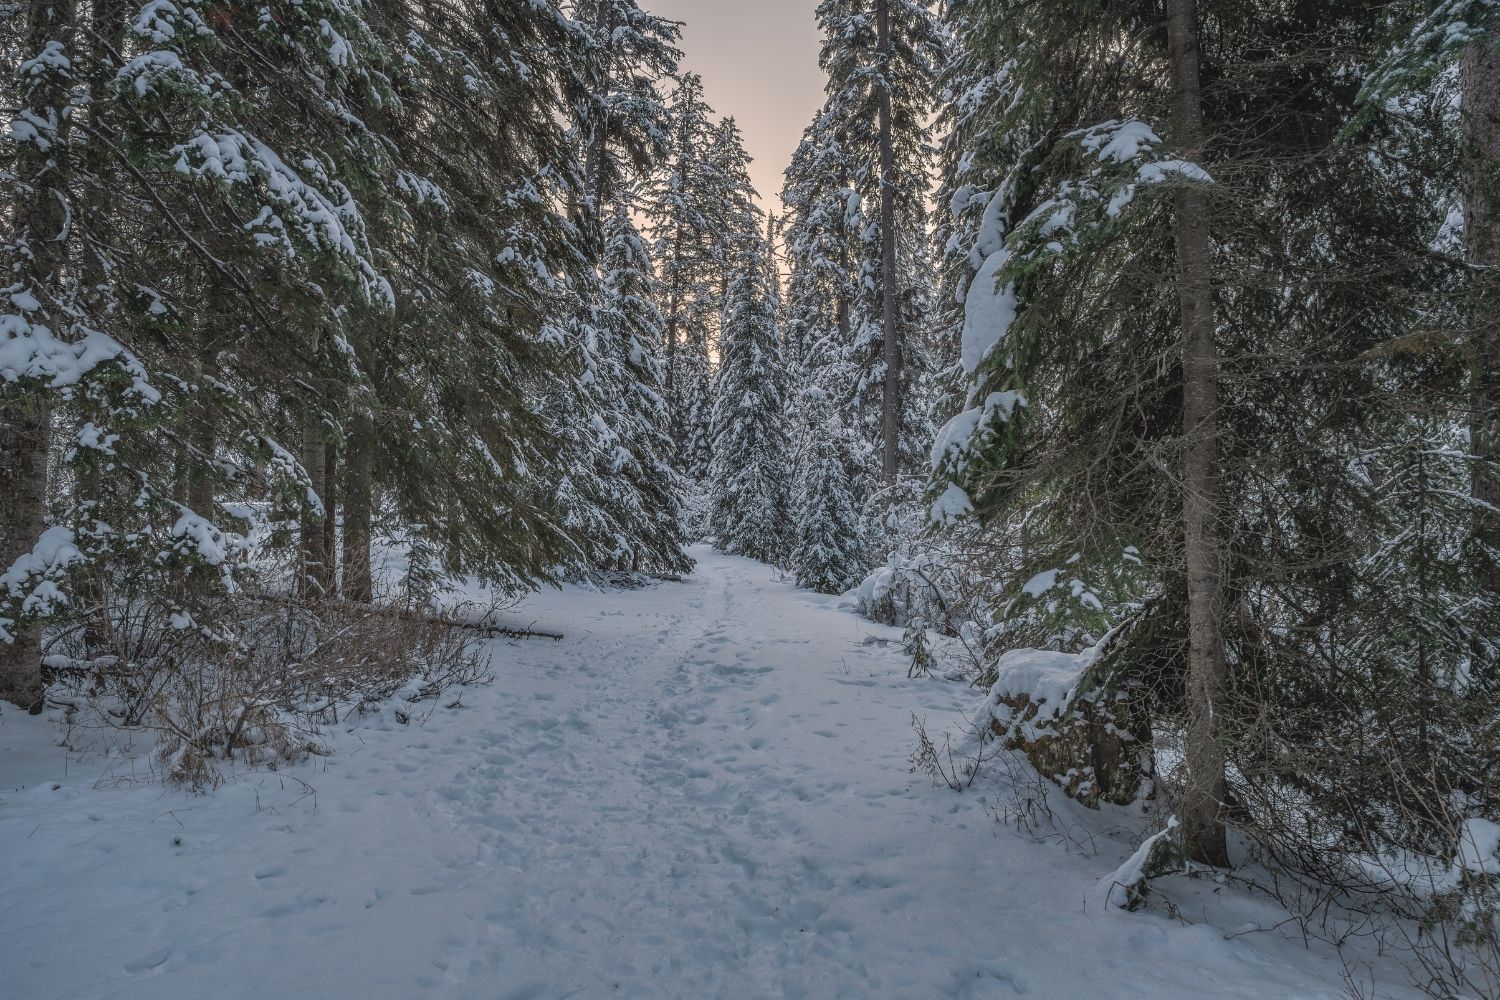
x: 1224, y: 281
x: 485, y: 278
x: 1161, y: 330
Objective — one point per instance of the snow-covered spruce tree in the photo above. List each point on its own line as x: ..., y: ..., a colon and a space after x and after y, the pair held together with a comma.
x: 681, y: 215
x: 750, y: 495
x: 882, y: 58
x: 164, y: 274
x: 977, y: 152
x: 484, y: 433
x: 295, y: 233
x: 627, y: 517
x: 624, y: 119
x: 729, y: 199
x: 826, y: 554
x: 627, y: 382
x: 32, y: 314
x: 1073, y: 437
x: 822, y: 221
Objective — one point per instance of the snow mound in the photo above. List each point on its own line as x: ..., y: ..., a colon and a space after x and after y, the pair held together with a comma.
x: 1122, y: 887
x: 1043, y: 675
x: 989, y: 311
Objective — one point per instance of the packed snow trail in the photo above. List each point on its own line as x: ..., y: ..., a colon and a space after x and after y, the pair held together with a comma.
x: 703, y: 792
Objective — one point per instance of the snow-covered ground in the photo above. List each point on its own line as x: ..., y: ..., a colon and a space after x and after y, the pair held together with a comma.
x: 703, y: 792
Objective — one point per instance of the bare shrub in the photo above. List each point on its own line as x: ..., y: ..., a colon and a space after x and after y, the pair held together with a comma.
x: 257, y: 687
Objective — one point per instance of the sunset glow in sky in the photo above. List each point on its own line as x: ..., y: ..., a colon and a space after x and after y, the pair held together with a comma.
x: 759, y: 63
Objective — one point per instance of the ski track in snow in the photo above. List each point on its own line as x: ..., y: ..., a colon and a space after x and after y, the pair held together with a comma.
x: 703, y: 792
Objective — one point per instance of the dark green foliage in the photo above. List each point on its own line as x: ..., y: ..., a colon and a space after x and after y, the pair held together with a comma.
x: 301, y: 233
x: 1356, y: 616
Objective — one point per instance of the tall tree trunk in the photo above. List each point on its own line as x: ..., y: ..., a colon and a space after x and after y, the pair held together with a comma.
x: 25, y: 429
x: 675, y: 421
x: 330, y: 548
x: 453, y: 552
x: 359, y: 465
x: 314, y: 571
x: 890, y: 405
x: 204, y: 434
x: 26, y: 424
x: 1481, y: 112
x: 1203, y: 796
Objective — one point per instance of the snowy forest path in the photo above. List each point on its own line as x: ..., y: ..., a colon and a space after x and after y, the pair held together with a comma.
x: 701, y: 792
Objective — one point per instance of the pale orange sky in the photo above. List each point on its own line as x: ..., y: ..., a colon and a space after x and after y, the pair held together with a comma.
x: 759, y: 63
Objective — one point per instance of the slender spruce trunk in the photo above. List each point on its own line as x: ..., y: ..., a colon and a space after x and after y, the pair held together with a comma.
x: 204, y: 433
x: 26, y: 422
x: 1204, y: 792
x: 890, y: 405
x: 328, y: 551
x: 314, y: 570
x: 359, y: 475
x: 25, y: 431
x: 1481, y: 113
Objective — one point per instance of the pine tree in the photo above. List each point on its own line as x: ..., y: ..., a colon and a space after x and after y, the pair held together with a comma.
x: 32, y: 327
x: 825, y: 556
x: 1480, y: 86
x: 681, y: 213
x: 977, y: 149
x: 636, y: 456
x: 626, y: 516
x: 624, y: 120
x: 882, y: 58
x: 1075, y: 442
x: 750, y: 498
x: 821, y: 226
x: 317, y: 254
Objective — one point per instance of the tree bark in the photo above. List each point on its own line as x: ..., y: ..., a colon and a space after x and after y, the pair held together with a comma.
x: 1481, y: 114
x: 890, y: 404
x: 330, y: 548
x: 359, y: 468
x: 25, y: 430
x: 26, y: 423
x: 205, y: 431
x: 314, y: 571
x: 1204, y: 792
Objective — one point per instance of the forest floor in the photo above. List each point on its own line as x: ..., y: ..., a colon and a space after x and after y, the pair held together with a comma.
x: 702, y: 792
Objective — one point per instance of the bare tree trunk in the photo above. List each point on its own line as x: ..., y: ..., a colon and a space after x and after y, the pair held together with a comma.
x: 453, y: 553
x: 330, y: 548
x: 359, y: 468
x: 314, y: 571
x: 1481, y: 112
x: 675, y: 421
x: 205, y: 431
x: 26, y: 424
x: 24, y: 436
x: 1203, y: 796
x: 890, y: 405
x: 194, y: 485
